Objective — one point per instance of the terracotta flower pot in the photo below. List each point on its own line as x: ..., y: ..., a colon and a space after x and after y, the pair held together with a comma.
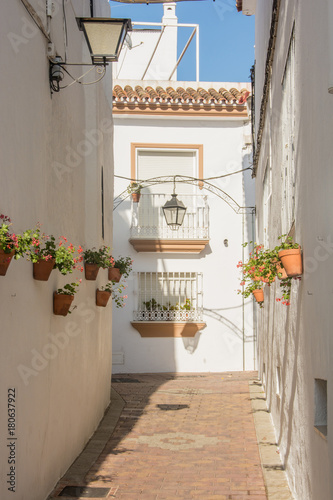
x: 114, y: 274
x: 282, y: 272
x: 62, y: 303
x: 292, y: 261
x: 91, y: 271
x: 5, y: 259
x: 136, y: 197
x: 42, y: 269
x: 259, y: 295
x: 102, y: 297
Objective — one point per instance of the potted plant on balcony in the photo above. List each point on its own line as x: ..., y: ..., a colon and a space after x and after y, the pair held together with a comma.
x: 63, y: 298
x: 134, y: 189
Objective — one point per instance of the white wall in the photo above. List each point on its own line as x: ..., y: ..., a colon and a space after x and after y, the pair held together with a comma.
x: 299, y: 339
x: 60, y: 367
x: 219, y: 346
x: 150, y: 55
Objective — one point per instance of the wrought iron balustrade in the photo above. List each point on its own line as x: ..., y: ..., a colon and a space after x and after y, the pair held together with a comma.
x: 148, y: 220
x: 169, y: 296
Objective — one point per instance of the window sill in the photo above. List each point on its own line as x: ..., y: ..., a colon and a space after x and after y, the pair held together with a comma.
x: 167, y: 328
x: 168, y: 246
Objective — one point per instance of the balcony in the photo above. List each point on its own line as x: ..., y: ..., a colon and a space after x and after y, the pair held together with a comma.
x: 150, y: 233
x: 168, y: 304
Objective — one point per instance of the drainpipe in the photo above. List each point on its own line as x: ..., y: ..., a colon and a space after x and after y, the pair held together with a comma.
x: 330, y: 47
x: 243, y: 300
x: 253, y: 307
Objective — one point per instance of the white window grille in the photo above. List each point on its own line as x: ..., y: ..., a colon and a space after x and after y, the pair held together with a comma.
x: 169, y: 296
x: 148, y: 220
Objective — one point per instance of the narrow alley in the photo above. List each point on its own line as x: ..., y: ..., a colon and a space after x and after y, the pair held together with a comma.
x: 181, y: 436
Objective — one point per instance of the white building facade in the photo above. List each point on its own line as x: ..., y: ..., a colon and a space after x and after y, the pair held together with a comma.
x: 183, y: 313
x: 293, y: 152
x: 56, y: 150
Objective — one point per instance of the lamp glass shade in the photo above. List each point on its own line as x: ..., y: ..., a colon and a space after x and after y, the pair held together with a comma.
x: 174, y: 212
x: 104, y: 36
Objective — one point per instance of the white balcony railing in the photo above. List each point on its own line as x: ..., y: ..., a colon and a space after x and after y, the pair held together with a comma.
x: 166, y: 296
x: 148, y: 220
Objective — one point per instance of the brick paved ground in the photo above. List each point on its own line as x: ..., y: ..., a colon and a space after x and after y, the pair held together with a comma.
x: 184, y: 436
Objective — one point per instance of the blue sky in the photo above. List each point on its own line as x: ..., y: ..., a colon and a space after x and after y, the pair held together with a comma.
x: 226, y: 37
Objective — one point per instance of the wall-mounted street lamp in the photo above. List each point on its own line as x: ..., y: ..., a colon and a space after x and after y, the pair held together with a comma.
x: 104, y: 36
x: 174, y: 211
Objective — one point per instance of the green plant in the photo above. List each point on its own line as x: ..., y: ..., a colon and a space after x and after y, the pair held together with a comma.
x: 124, y: 264
x: 187, y: 306
x: 153, y: 305
x: 66, y: 258
x: 101, y: 257
x: 19, y: 243
x: 134, y: 187
x: 287, y: 243
x: 249, y: 287
x: 42, y: 246
x: 107, y: 287
x: 69, y: 288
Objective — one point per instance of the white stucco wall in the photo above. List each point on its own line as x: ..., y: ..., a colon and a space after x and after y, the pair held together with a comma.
x: 59, y: 367
x: 219, y: 346
x: 298, y: 338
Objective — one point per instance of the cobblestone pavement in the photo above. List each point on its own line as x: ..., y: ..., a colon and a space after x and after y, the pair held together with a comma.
x: 177, y: 436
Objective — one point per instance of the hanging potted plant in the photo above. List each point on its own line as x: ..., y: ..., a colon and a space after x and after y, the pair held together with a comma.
x: 135, y: 190
x: 67, y: 259
x: 94, y: 259
x: 103, y: 295
x: 290, y: 256
x: 63, y: 298
x: 120, y: 267
x: 41, y: 253
x: 11, y: 245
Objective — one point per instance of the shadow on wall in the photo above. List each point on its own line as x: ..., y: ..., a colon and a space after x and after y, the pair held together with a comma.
x: 232, y: 327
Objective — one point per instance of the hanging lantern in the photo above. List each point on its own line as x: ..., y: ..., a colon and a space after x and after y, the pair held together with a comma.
x: 174, y: 212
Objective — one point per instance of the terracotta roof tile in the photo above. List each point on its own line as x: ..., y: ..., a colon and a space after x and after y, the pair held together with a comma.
x: 180, y: 95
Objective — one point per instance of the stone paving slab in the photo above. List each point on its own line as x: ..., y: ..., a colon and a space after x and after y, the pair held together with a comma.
x: 181, y: 436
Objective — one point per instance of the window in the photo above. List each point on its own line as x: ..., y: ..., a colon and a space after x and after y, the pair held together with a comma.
x: 156, y: 160
x: 169, y: 296
x: 320, y: 406
x: 288, y: 140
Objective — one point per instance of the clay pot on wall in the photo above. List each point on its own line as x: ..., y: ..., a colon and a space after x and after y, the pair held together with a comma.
x: 42, y: 269
x: 114, y: 274
x: 5, y: 259
x: 259, y: 295
x: 292, y: 261
x: 136, y: 197
x: 90, y: 271
x: 61, y: 303
x: 102, y: 297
